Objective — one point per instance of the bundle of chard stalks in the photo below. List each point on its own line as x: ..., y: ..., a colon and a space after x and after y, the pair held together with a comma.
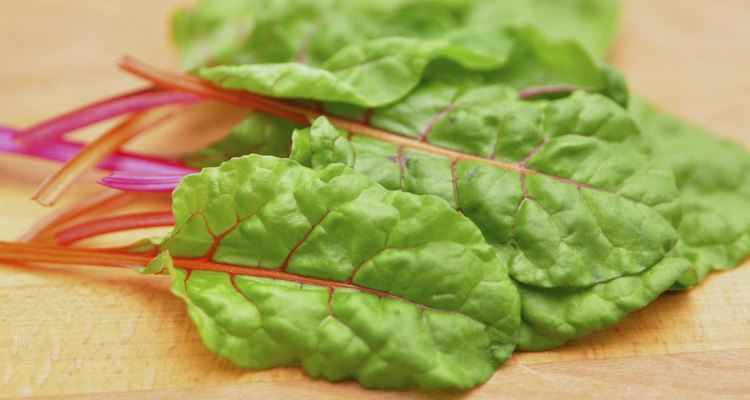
x: 419, y: 187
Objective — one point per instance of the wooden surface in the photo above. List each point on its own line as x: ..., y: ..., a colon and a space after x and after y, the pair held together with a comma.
x: 86, y: 332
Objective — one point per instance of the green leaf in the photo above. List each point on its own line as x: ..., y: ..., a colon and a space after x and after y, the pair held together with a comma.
x: 382, y: 71
x: 549, y: 315
x: 593, y: 23
x: 229, y: 32
x: 252, y: 31
x: 331, y: 270
x: 566, y: 191
x: 713, y: 177
x: 215, y: 31
x: 372, y: 74
x: 328, y: 146
x: 537, y: 61
x: 257, y: 134
x: 533, y: 61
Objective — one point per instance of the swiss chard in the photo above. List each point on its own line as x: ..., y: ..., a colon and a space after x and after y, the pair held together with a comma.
x: 456, y: 159
x: 593, y: 23
x: 230, y: 32
x: 713, y: 177
x: 252, y: 31
x: 565, y: 191
x: 330, y: 270
x: 370, y: 74
x: 536, y: 66
x: 382, y: 71
x: 348, y: 278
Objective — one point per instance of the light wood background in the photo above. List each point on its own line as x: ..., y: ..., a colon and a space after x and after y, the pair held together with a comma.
x: 84, y: 332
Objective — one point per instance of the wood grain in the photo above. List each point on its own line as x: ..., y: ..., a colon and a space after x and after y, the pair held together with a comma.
x: 85, y: 332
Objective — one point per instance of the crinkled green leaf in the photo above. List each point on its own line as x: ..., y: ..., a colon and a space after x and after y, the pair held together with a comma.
x: 231, y: 32
x: 372, y: 74
x: 228, y: 32
x: 257, y: 134
x: 566, y: 191
x: 333, y: 271
x: 713, y: 177
x: 593, y: 23
x: 572, y: 199
x: 549, y: 315
x: 323, y: 146
x: 384, y: 70
x: 539, y: 61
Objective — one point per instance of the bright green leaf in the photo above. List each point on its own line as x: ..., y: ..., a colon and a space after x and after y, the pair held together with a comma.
x: 566, y: 190
x: 384, y: 70
x: 228, y: 32
x: 550, y: 316
x: 331, y: 270
x: 231, y: 32
x: 375, y: 73
x: 713, y: 177
x: 593, y: 23
x: 537, y: 61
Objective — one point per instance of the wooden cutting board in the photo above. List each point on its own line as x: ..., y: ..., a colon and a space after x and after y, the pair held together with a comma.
x: 82, y: 331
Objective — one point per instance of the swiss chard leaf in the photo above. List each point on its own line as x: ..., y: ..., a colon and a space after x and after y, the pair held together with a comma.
x: 371, y: 74
x: 331, y: 270
x: 257, y: 134
x: 384, y: 70
x: 529, y: 59
x: 713, y: 177
x: 566, y: 190
x: 229, y: 32
x: 537, y: 61
x: 575, y: 312
x: 592, y: 23
x: 533, y: 62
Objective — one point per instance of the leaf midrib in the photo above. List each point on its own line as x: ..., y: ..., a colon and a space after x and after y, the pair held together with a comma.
x: 191, y: 265
x: 59, y: 255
